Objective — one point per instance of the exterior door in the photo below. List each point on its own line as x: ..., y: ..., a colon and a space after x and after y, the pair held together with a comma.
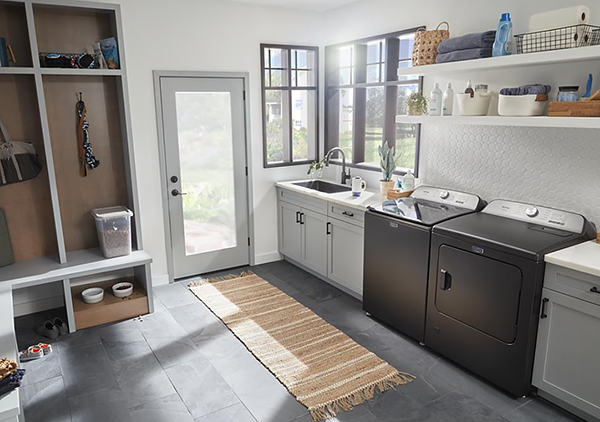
x: 205, y: 151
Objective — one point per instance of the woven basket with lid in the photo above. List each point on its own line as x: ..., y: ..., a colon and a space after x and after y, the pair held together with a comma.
x: 426, y: 44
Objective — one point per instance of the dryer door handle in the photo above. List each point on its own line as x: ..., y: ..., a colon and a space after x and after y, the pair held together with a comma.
x: 445, y: 281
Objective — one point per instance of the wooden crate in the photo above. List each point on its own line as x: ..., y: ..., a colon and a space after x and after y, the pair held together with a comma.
x: 574, y: 109
x: 111, y: 309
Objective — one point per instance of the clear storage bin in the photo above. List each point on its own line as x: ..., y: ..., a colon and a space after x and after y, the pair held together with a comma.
x: 114, y: 230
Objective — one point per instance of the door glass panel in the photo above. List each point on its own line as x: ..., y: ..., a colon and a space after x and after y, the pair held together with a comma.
x: 204, y: 125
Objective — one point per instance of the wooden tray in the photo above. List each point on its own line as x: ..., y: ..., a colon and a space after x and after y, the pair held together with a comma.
x: 574, y: 109
x: 397, y: 194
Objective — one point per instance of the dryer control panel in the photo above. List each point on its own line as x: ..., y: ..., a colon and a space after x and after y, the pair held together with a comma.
x: 445, y: 196
x: 542, y: 216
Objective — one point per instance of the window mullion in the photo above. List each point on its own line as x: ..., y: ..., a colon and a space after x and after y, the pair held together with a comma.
x: 290, y: 109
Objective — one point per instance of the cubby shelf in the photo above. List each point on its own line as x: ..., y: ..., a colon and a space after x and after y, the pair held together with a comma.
x: 17, y: 71
x: 535, y: 121
x: 81, y: 72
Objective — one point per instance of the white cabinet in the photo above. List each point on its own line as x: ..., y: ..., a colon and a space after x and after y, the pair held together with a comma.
x: 567, y: 364
x: 346, y: 246
x: 314, y: 241
x: 290, y: 231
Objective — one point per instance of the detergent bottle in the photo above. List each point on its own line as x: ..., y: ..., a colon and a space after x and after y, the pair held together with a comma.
x: 503, y: 45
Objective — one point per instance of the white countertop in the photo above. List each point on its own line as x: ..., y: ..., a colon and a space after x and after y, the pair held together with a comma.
x: 9, y: 403
x: 366, y: 199
x: 584, y: 258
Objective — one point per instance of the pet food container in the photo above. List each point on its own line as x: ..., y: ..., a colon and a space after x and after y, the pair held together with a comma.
x: 522, y: 105
x: 123, y: 289
x: 478, y: 105
x: 114, y: 230
x: 93, y: 295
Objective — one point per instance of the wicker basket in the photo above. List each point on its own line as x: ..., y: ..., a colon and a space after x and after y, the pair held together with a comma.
x: 397, y: 194
x: 426, y: 44
x: 7, y: 367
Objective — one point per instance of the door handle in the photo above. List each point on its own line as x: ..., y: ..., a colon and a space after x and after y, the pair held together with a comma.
x: 327, y: 228
x: 543, y: 314
x: 595, y: 290
x: 175, y: 192
x: 302, y: 218
x: 447, y: 282
x: 348, y: 214
x: 298, y: 217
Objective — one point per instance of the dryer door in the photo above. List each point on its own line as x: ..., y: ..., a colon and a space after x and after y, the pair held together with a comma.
x: 479, y: 291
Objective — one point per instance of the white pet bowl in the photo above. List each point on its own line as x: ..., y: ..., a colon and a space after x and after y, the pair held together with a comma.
x: 93, y: 295
x: 122, y: 290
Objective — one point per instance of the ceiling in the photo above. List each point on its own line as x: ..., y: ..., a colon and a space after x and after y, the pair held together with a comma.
x: 317, y: 5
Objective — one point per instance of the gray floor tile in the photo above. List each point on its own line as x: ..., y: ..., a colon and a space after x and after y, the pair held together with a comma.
x: 345, y: 313
x: 42, y: 369
x: 158, y: 305
x: 142, y: 379
x: 305, y: 283
x: 539, y: 410
x: 167, y: 409
x: 237, y: 413
x: 453, y: 407
x: 201, y: 387
x: 123, y: 339
x: 45, y: 401
x: 358, y: 414
x: 173, y: 295
x: 100, y: 406
x: 79, y: 339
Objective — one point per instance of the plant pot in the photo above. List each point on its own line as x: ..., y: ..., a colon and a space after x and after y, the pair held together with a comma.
x: 386, y: 186
x: 414, y: 112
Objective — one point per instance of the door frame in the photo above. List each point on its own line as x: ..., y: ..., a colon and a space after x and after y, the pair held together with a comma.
x: 245, y: 77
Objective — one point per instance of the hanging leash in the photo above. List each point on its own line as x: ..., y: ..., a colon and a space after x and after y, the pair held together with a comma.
x: 86, y: 153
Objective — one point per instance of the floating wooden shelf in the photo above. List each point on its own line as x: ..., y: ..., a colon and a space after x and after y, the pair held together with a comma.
x: 536, y: 121
x: 111, y: 309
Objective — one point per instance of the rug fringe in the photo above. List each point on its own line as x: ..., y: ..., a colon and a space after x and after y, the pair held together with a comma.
x: 348, y: 402
x: 217, y: 279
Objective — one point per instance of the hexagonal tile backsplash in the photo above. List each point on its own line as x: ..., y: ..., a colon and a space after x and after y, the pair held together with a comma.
x: 557, y: 168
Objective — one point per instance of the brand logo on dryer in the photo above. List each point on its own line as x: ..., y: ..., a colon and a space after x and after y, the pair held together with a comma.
x: 558, y: 223
x: 477, y: 249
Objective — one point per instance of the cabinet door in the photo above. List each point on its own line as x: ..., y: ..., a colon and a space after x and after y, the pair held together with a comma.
x: 314, y: 241
x: 346, y: 255
x: 567, y: 362
x: 290, y: 238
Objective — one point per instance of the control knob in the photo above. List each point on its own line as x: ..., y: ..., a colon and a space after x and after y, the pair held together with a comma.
x: 532, y: 212
x: 445, y: 194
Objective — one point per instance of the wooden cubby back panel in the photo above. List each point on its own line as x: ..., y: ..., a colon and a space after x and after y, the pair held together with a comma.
x: 27, y: 205
x: 13, y: 27
x: 67, y: 30
x: 104, y: 186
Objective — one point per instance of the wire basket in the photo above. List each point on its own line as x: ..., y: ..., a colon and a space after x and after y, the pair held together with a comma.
x: 558, y: 39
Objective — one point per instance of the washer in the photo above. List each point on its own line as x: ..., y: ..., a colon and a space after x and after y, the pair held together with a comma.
x: 396, y: 257
x: 485, y: 283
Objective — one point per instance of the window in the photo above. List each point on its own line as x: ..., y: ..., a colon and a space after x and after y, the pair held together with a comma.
x: 290, y: 101
x: 363, y: 96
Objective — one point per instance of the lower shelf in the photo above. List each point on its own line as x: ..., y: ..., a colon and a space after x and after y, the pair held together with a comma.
x: 111, y: 309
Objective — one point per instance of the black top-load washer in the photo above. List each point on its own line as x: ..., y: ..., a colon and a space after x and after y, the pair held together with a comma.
x: 396, y: 257
x: 485, y: 283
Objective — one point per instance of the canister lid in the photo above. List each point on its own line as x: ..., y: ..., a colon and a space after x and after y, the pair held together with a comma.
x: 111, y: 212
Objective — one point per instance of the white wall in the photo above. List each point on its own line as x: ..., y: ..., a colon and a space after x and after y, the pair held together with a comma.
x: 557, y: 168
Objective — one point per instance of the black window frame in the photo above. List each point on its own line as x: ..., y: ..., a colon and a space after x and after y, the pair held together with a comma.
x: 290, y: 89
x: 390, y: 56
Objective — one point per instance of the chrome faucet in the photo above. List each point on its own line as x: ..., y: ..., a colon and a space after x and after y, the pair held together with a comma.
x: 341, y: 151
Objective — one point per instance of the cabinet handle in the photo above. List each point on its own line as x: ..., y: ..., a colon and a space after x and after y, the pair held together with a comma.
x: 595, y: 290
x: 349, y: 214
x: 297, y: 216
x: 327, y: 228
x: 447, y: 280
x: 544, y: 302
x: 301, y: 218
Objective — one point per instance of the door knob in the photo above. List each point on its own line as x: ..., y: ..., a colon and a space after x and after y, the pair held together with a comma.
x: 174, y: 179
x: 175, y: 192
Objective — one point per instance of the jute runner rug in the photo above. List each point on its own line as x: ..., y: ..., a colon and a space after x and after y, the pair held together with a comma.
x: 321, y: 366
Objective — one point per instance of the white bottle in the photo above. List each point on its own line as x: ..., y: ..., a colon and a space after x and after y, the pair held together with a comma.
x: 408, y: 182
x: 448, y: 101
x: 435, y: 101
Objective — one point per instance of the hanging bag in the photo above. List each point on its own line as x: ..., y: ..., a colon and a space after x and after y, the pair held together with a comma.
x: 18, y: 160
x: 426, y: 44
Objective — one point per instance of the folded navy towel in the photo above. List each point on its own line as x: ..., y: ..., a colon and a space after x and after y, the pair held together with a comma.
x: 460, y: 55
x: 468, y: 42
x: 532, y: 89
x: 11, y: 382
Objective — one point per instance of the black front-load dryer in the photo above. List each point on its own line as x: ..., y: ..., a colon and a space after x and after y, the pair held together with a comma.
x: 396, y: 258
x: 485, y: 283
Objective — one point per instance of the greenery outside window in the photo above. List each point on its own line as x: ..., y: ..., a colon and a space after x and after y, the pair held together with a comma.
x: 290, y: 104
x: 363, y: 95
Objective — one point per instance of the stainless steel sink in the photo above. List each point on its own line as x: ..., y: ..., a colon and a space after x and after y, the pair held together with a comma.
x: 325, y: 187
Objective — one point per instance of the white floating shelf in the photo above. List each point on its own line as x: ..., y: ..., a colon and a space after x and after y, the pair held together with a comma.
x: 517, y: 60
x: 538, y: 121
x: 16, y: 71
x: 81, y: 72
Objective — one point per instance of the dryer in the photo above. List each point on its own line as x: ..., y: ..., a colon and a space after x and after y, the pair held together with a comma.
x: 485, y: 282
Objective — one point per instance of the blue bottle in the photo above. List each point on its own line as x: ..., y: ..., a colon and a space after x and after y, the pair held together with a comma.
x: 503, y: 45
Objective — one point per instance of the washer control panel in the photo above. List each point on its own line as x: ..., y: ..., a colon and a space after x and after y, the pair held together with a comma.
x: 444, y: 196
x: 542, y: 216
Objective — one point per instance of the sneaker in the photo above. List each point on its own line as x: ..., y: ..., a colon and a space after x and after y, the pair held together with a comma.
x: 32, y: 353
x: 48, y: 329
x: 63, y: 328
x: 46, y: 348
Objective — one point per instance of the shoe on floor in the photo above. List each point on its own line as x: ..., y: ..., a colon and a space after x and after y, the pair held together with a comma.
x: 63, y: 328
x: 31, y: 353
x: 46, y: 348
x: 48, y: 329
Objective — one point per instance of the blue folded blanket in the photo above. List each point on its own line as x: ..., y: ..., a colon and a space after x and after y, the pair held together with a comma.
x: 468, y: 42
x: 11, y: 382
x: 460, y: 55
x: 532, y: 89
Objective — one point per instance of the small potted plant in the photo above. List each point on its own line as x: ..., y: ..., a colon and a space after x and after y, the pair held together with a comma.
x: 315, y: 170
x: 416, y: 103
x: 389, y: 160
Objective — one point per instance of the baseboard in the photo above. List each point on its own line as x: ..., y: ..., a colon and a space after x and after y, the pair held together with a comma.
x: 159, y: 280
x: 41, y: 305
x: 265, y: 258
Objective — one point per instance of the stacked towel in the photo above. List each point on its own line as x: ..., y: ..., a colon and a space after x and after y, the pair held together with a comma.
x: 467, y: 47
x: 11, y: 382
x: 532, y: 89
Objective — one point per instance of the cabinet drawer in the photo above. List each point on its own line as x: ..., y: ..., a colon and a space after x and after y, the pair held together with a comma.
x: 350, y: 215
x: 573, y: 283
x: 305, y: 201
